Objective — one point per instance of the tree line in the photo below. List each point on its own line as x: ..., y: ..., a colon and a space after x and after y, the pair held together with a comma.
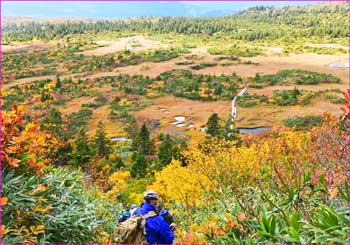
x: 256, y: 23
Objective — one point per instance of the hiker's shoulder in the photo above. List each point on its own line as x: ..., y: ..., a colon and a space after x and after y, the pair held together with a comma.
x: 156, y: 219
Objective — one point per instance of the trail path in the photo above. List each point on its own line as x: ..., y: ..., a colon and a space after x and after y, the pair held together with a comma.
x: 234, y: 108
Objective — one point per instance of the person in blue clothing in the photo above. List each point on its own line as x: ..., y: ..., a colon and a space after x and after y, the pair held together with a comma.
x: 157, y: 229
x: 127, y: 213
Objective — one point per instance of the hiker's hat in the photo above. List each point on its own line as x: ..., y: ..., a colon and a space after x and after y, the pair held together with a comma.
x: 150, y: 195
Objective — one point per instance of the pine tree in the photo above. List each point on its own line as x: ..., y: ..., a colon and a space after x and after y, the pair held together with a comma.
x: 143, y: 142
x: 83, y: 150
x: 165, y: 152
x: 132, y: 129
x: 213, y: 125
x: 101, y: 142
x: 53, y: 122
x: 58, y: 82
x: 140, y: 165
x: 230, y: 132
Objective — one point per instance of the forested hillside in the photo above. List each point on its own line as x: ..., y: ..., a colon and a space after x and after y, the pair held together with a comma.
x: 253, y: 24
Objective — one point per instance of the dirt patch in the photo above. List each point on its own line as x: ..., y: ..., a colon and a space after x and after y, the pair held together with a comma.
x: 326, y: 45
x: 134, y: 43
x: 16, y: 48
x: 74, y: 105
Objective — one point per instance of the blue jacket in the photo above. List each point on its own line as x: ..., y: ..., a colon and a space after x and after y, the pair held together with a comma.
x: 157, y: 229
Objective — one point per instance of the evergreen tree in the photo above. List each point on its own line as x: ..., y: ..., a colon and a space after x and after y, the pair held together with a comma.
x: 58, y: 82
x: 140, y: 165
x: 101, y: 142
x: 132, y: 129
x: 165, y: 152
x: 83, y: 150
x: 143, y: 143
x: 53, y: 122
x: 213, y: 125
x: 230, y: 132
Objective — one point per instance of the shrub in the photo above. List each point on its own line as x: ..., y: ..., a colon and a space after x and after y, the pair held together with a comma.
x: 288, y: 77
x: 305, y: 122
x: 55, y: 209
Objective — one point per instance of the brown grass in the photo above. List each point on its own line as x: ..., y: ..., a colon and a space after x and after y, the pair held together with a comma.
x: 267, y: 65
x: 134, y: 43
x: 196, y: 112
x: 268, y: 91
x: 20, y: 47
x: 272, y: 115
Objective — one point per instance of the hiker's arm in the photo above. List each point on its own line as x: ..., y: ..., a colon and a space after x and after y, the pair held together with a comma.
x: 166, y: 233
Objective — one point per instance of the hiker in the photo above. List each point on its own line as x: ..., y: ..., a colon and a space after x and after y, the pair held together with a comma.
x: 127, y: 213
x: 167, y: 217
x: 158, y: 230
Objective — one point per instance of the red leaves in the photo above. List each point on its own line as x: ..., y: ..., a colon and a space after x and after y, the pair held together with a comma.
x: 346, y: 96
x: 219, y: 232
x: 20, y: 140
x: 346, y: 108
x: 13, y: 162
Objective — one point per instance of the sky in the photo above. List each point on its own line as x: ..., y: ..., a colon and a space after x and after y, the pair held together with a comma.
x: 115, y: 10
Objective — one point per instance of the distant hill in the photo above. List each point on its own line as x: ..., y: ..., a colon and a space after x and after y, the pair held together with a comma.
x: 262, y: 22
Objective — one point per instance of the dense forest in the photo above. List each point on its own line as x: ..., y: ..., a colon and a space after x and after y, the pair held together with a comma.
x: 257, y: 23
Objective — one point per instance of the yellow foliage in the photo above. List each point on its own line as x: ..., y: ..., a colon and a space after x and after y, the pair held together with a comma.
x: 37, y: 229
x: 3, y: 201
x: 181, y: 184
x: 3, y: 230
x: 114, y: 156
x: 125, y: 102
x: 103, y: 238
x: 118, y: 182
x: 135, y: 197
x: 4, y: 93
x: 217, y: 164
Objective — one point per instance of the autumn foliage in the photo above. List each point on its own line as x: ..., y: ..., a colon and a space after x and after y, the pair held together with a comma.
x: 25, y: 147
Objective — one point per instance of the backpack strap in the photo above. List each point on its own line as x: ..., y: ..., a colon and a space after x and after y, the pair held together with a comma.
x: 149, y: 215
x: 145, y: 217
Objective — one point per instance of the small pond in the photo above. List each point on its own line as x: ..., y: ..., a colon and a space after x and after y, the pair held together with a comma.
x: 340, y: 64
x: 119, y: 139
x: 180, y: 118
x: 253, y: 130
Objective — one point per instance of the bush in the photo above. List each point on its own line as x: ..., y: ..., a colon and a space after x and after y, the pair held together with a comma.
x: 288, y: 77
x: 335, y: 99
x: 99, y: 101
x: 293, y: 97
x: 184, y: 63
x: 203, y: 65
x: 233, y: 58
x: 247, y: 101
x: 55, y: 209
x: 235, y: 50
x: 305, y: 122
x: 266, y: 216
